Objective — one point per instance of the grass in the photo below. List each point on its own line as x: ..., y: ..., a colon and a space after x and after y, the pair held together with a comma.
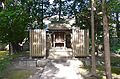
x: 3, y: 54
x: 5, y: 60
x: 115, y: 68
x: 115, y: 61
x: 101, y: 71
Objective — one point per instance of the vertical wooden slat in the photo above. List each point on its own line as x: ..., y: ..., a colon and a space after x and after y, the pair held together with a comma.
x: 32, y: 42
x: 37, y: 42
x: 44, y: 43
x: 87, y: 41
x: 83, y: 41
x: 37, y: 50
x: 43, y: 34
x: 30, y: 38
x: 41, y: 37
x: 37, y: 38
x: 80, y: 42
x: 41, y: 42
x: 73, y: 43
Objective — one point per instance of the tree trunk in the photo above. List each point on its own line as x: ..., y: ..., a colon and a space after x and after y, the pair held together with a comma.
x: 117, y: 25
x: 106, y: 42
x: 42, y: 14
x: 75, y: 13
x: 16, y: 47
x: 10, y: 48
x: 93, y: 40
x: 60, y: 10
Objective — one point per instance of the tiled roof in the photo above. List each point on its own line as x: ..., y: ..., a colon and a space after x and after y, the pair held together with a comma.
x: 59, y: 26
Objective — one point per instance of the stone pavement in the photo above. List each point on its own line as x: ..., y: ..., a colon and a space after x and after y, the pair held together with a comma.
x: 64, y: 68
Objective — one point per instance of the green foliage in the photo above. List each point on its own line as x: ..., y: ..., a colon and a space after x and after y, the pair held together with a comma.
x: 115, y: 61
x: 115, y: 45
x: 4, y: 61
x: 114, y: 6
x: 13, y: 24
x: 101, y: 69
x: 21, y: 74
x: 37, y: 11
x: 116, y: 70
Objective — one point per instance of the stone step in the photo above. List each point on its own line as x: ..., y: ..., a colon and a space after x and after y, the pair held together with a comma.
x: 59, y: 53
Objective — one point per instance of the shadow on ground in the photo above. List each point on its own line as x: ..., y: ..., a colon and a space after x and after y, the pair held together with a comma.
x: 62, y: 69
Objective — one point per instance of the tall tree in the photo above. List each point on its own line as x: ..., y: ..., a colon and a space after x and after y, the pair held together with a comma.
x: 60, y: 9
x: 114, y: 13
x: 118, y: 24
x: 13, y: 25
x: 106, y: 41
x: 93, y: 39
x: 37, y: 10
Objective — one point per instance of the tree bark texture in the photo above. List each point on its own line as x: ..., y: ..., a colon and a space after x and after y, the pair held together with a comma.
x: 118, y: 25
x: 93, y: 40
x: 60, y: 5
x: 106, y: 41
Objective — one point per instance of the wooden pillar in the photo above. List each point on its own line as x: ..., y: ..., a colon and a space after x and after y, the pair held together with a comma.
x: 53, y: 40
x: 64, y: 40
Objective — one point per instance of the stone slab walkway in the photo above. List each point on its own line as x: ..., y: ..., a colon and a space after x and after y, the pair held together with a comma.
x: 62, y: 69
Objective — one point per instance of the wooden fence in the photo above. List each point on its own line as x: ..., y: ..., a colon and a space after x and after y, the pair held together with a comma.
x: 80, y: 42
x: 37, y: 43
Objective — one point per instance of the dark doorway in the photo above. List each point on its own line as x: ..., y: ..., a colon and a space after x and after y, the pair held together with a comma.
x: 59, y: 40
x: 68, y: 40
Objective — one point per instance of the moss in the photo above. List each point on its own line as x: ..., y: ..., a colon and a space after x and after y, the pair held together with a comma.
x: 5, y: 60
x: 116, y: 70
x: 100, y: 71
x: 115, y: 61
x: 20, y: 74
x: 3, y: 54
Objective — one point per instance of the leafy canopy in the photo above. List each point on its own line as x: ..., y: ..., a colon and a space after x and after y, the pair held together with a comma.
x: 13, y: 24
